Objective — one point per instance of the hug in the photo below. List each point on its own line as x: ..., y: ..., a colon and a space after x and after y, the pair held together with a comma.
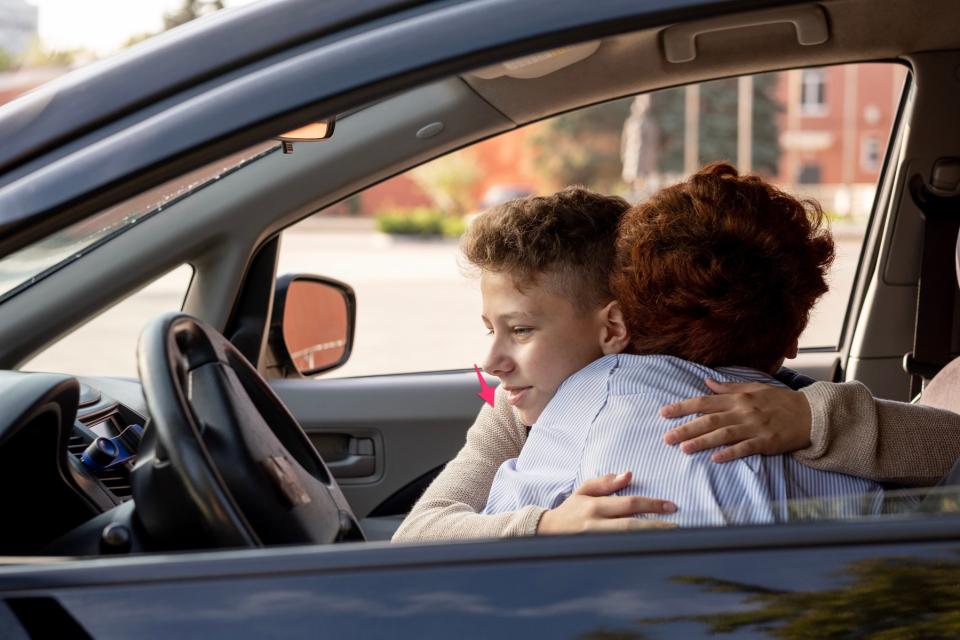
x: 601, y: 314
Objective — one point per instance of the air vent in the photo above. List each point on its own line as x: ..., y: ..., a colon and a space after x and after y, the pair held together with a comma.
x: 76, y: 445
x: 117, y: 480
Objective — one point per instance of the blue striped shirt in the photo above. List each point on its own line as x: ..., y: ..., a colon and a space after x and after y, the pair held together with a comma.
x: 605, y: 418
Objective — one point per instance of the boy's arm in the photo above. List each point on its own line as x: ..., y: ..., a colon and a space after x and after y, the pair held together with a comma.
x: 449, y: 508
x: 854, y: 433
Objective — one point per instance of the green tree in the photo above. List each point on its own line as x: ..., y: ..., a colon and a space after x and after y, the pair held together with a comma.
x: 884, y: 599
x: 190, y: 10
x: 718, y: 124
x: 187, y: 11
x: 449, y: 181
x: 6, y: 60
x: 136, y: 39
x: 37, y: 55
x: 583, y: 147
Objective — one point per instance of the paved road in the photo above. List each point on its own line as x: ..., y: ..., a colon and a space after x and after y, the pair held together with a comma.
x: 416, y: 310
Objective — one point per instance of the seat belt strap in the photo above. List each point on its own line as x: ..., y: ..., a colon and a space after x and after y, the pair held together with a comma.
x: 937, y: 291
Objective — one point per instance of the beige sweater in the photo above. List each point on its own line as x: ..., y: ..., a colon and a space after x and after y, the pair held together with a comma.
x: 852, y: 432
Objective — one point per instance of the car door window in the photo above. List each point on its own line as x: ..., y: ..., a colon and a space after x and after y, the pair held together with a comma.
x: 819, y: 133
x: 107, y: 345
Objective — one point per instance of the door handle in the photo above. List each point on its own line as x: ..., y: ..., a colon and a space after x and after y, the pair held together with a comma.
x: 346, y: 456
x: 353, y: 466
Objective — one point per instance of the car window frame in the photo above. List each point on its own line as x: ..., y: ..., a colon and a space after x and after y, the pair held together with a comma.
x: 887, y: 189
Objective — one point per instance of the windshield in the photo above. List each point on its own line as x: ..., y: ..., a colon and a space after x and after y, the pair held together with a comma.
x: 20, y: 270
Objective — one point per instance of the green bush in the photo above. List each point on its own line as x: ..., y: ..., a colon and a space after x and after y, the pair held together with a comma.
x: 420, y: 222
x: 454, y: 226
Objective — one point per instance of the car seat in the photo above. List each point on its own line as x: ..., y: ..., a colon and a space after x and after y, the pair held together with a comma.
x: 943, y: 391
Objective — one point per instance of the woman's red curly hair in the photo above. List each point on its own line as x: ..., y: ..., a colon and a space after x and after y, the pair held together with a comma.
x: 721, y: 269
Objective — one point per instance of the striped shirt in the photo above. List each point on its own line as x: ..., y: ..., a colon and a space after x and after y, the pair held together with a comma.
x: 605, y: 418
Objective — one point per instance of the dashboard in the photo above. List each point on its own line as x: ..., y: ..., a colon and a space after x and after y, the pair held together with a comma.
x: 105, y: 440
x: 48, y: 423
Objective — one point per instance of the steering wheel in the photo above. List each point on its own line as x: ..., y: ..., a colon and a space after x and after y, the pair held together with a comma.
x: 223, y: 461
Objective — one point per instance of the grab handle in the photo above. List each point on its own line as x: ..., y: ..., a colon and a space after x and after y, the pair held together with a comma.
x: 679, y: 41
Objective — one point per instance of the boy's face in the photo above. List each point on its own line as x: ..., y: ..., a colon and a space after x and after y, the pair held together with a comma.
x: 539, y: 338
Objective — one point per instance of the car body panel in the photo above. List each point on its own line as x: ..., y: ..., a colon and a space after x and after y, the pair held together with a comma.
x: 81, y: 102
x: 565, y: 587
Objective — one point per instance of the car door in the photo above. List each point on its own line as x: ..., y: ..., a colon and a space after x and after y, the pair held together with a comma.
x: 871, y: 580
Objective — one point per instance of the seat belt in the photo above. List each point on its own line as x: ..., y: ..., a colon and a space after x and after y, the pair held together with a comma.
x: 937, y: 292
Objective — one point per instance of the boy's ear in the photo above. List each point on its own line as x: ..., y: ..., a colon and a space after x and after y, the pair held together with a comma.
x: 613, y: 333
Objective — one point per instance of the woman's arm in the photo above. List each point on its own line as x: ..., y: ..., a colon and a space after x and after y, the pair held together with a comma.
x: 852, y: 432
x: 834, y: 427
x: 450, y: 507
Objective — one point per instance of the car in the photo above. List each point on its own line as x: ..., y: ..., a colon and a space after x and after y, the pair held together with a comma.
x: 500, y: 193
x: 228, y: 490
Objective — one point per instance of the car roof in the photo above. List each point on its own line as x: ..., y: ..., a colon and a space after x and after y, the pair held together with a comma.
x: 175, y: 60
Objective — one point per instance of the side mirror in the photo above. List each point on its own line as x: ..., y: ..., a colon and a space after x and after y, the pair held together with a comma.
x: 313, y: 323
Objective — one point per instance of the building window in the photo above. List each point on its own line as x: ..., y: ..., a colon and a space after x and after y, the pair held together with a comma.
x: 870, y: 153
x: 813, y: 92
x: 809, y: 174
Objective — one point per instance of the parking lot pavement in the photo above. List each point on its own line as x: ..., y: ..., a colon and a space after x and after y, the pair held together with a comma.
x: 416, y: 309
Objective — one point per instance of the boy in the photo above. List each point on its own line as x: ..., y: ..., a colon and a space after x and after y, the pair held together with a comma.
x: 714, y: 277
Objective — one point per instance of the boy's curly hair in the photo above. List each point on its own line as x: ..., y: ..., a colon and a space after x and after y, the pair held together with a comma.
x: 568, y: 235
x: 721, y: 269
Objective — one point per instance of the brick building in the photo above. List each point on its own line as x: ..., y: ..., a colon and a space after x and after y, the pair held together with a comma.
x: 835, y: 129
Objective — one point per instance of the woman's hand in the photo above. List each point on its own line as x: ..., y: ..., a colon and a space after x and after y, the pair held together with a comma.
x: 749, y: 418
x: 592, y: 508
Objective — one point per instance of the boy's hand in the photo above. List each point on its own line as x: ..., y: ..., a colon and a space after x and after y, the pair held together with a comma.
x: 749, y: 418
x: 592, y: 508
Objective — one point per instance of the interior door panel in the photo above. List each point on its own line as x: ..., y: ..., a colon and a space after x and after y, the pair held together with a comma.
x: 380, y: 434
x: 386, y: 437
x: 819, y: 365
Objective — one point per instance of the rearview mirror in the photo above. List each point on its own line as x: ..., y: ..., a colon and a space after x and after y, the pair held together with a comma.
x: 313, y: 132
x: 313, y: 323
